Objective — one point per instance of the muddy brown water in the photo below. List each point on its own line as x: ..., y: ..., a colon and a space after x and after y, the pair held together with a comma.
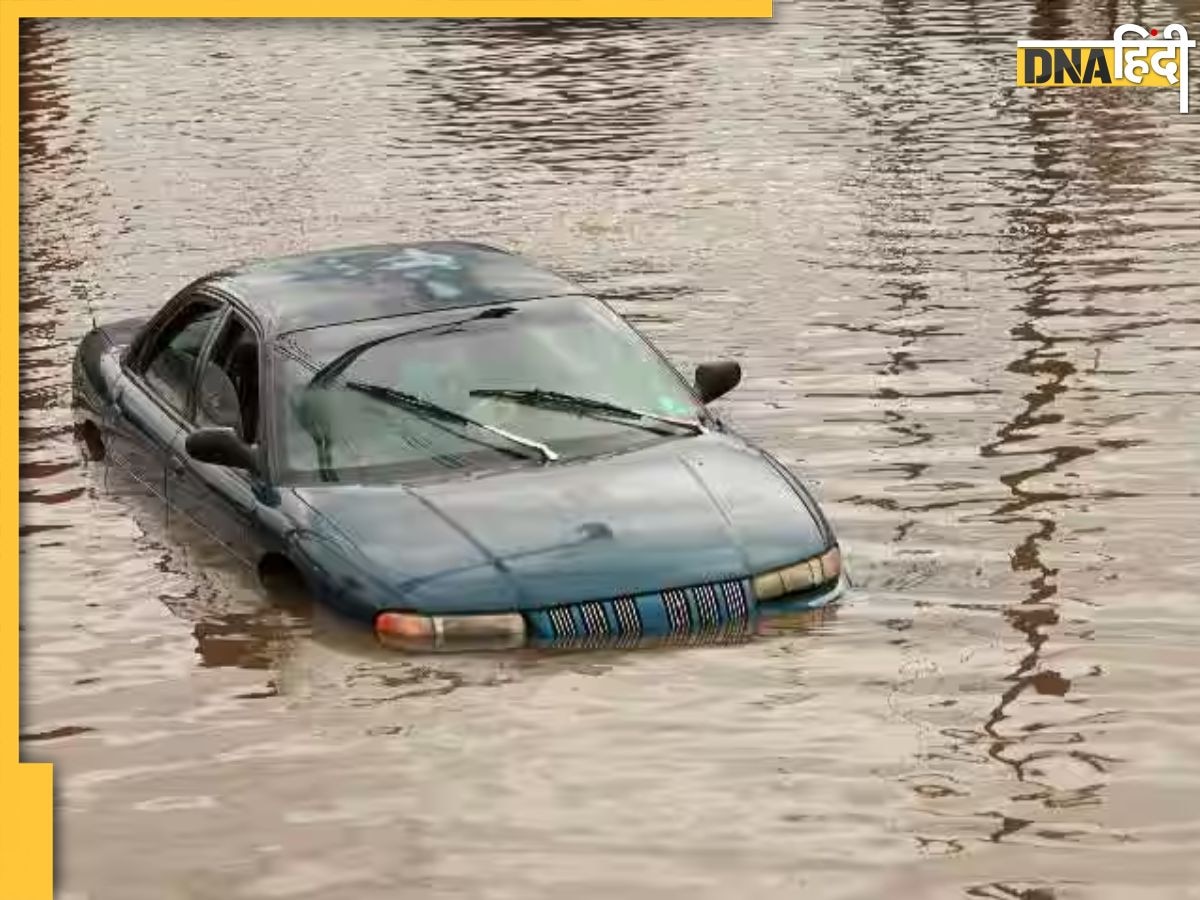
x: 969, y: 317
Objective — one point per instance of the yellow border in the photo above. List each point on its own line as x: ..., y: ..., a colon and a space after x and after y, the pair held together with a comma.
x: 374, y: 9
x: 26, y: 790
x: 27, y: 811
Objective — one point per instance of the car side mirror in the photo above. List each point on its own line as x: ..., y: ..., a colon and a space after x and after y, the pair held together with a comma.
x: 221, y: 447
x: 716, y: 379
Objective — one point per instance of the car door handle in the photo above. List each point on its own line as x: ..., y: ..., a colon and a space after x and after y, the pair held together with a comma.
x: 177, y: 466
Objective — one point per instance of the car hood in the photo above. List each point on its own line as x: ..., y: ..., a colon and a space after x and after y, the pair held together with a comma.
x: 677, y: 513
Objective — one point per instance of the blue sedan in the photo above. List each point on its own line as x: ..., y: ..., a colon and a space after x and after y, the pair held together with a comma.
x: 455, y: 446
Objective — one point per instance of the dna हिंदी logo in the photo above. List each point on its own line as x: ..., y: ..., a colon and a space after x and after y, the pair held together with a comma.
x: 1125, y: 61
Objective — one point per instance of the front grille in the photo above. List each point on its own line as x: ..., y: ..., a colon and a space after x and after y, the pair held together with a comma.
x: 701, y: 612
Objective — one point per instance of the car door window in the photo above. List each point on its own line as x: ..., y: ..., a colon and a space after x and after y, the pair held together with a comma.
x: 229, y: 383
x: 171, y: 362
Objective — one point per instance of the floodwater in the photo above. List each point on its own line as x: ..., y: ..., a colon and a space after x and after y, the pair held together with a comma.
x: 969, y: 317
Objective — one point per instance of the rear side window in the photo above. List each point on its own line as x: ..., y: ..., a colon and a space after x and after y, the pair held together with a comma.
x: 171, y: 362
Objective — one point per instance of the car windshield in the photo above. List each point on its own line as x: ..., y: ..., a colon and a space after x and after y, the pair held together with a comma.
x: 519, y: 384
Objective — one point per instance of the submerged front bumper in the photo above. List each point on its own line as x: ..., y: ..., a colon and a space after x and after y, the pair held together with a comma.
x: 714, y: 612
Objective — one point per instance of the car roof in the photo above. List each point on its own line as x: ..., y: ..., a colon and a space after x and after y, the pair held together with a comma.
x: 352, y: 283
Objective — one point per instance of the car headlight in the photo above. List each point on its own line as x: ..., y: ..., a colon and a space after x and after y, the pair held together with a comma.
x: 802, y: 576
x: 415, y: 631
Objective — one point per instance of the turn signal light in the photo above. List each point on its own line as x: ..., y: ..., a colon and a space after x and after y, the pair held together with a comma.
x: 414, y: 631
x: 803, y: 576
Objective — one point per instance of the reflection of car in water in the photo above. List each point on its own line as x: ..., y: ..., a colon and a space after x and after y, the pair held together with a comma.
x: 455, y: 446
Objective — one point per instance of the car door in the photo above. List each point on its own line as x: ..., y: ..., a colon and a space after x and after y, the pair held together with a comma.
x: 150, y: 408
x: 219, y: 499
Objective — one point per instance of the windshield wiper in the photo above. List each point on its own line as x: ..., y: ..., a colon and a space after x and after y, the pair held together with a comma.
x: 587, y: 406
x: 422, y: 407
x: 340, y: 363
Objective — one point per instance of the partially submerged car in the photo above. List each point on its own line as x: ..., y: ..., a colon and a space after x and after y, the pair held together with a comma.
x: 455, y: 446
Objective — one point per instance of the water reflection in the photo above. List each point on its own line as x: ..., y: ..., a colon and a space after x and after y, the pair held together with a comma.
x: 998, y: 890
x: 41, y: 95
x: 1077, y: 161
x: 563, y: 95
x: 248, y: 641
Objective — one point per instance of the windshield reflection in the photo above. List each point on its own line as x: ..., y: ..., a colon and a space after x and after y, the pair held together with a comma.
x: 526, y: 383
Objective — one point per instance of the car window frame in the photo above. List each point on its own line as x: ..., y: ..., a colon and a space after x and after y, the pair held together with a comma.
x: 137, y: 359
x: 230, y: 312
x: 133, y: 360
x: 232, y: 307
